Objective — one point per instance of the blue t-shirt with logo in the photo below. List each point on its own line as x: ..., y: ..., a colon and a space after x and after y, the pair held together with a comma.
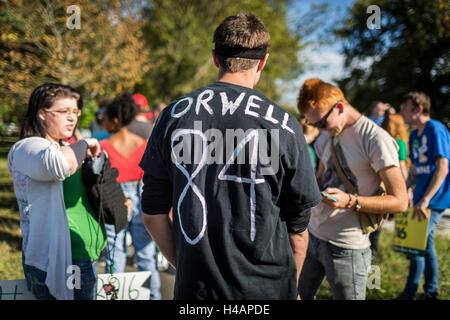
x: 434, y: 141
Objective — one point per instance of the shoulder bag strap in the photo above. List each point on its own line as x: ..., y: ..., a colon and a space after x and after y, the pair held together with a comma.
x: 347, y: 184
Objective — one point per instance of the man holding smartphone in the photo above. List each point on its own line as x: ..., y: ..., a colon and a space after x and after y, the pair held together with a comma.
x: 366, y: 155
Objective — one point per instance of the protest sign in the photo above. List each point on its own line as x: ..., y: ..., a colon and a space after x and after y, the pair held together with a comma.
x: 410, y: 234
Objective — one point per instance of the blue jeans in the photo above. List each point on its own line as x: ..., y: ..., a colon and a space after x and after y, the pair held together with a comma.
x: 425, y: 265
x: 36, y: 282
x: 88, y: 281
x: 88, y: 288
x: 144, y: 246
x: 346, y: 270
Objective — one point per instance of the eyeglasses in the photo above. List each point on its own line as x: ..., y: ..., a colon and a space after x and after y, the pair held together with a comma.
x: 322, y: 123
x: 65, y: 113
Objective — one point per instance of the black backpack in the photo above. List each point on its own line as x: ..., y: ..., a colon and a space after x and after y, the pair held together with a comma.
x: 104, y: 192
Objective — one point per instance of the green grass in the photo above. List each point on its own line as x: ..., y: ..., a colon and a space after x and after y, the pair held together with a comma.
x: 10, y: 235
x: 394, y: 266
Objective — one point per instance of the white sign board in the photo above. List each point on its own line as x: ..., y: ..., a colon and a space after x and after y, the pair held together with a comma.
x: 130, y: 286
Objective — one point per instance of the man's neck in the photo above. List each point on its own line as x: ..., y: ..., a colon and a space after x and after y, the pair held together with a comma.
x: 421, y: 123
x: 244, y: 78
x: 352, y: 116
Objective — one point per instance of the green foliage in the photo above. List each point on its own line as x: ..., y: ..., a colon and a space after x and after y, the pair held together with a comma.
x: 119, y: 41
x: 410, y: 52
x: 101, y: 58
x: 179, y: 36
x: 88, y: 114
x: 10, y: 234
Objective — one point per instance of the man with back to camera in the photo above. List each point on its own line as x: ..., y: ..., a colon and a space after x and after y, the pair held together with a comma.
x: 239, y: 230
x: 339, y: 246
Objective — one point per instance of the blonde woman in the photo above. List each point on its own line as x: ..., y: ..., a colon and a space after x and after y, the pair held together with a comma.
x: 395, y: 126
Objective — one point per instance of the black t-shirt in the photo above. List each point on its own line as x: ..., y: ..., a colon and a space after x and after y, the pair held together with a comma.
x: 236, y: 170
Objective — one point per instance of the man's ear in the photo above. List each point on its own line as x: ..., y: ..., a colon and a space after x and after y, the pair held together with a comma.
x: 262, y: 62
x: 419, y: 109
x: 215, y: 58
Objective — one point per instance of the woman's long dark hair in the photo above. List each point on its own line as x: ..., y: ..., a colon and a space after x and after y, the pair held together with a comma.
x: 43, y: 97
x: 123, y: 108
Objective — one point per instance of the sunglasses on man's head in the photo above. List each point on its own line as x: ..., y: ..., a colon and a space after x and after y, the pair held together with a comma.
x: 322, y: 123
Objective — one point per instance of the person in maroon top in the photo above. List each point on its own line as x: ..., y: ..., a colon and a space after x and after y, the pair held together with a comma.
x: 125, y: 150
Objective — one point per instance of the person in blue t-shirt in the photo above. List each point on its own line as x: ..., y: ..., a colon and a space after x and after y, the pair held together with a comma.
x: 97, y: 126
x: 429, y: 146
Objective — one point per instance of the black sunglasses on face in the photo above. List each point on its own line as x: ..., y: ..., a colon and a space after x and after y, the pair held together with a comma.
x: 322, y: 123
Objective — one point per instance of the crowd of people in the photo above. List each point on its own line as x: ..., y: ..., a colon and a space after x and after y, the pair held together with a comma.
x: 230, y: 231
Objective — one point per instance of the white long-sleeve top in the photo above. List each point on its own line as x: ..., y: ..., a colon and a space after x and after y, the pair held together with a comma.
x: 38, y: 168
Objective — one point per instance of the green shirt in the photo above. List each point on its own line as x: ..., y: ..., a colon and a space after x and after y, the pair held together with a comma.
x: 87, y: 237
x: 402, y: 151
x: 313, y: 157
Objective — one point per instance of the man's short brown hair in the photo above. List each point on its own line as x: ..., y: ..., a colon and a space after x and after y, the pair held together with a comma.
x: 316, y: 93
x: 418, y: 99
x: 245, y: 30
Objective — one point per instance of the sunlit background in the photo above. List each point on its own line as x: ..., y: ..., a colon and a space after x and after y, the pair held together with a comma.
x: 162, y: 49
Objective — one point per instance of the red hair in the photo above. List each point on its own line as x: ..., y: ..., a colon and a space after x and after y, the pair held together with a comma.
x: 316, y: 93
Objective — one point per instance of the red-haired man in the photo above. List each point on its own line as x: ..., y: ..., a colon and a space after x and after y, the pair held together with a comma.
x: 339, y: 246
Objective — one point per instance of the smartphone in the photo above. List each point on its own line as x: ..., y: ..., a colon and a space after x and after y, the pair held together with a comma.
x: 326, y: 195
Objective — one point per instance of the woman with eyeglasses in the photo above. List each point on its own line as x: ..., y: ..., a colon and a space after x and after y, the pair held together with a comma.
x: 61, y: 238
